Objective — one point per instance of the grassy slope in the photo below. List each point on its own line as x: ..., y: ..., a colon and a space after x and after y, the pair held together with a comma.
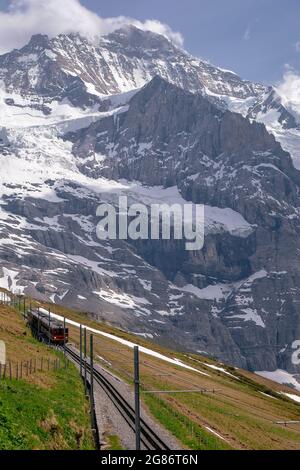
x: 113, y: 443
x: 238, y: 411
x: 46, y: 410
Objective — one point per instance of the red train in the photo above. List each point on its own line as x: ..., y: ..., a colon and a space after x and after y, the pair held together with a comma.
x: 47, y: 329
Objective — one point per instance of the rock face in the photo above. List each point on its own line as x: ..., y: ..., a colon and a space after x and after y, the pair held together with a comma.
x: 156, y: 140
x: 170, y: 137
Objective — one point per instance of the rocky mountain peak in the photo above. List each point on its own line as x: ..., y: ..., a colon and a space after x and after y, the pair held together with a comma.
x: 39, y: 41
x: 132, y: 37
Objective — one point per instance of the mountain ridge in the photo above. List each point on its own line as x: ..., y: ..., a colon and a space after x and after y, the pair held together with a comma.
x: 67, y: 51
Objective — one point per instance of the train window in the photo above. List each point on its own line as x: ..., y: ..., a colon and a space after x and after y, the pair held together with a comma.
x: 58, y: 331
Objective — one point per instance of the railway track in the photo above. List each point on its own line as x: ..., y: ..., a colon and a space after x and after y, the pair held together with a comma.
x: 149, y: 439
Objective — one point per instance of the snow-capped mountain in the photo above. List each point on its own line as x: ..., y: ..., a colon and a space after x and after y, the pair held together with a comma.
x: 71, y: 66
x: 82, y: 123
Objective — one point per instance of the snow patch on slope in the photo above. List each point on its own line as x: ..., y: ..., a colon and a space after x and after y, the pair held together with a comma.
x: 9, y: 281
x: 280, y: 376
x: 250, y: 314
x: 291, y: 396
x: 213, y: 292
x: 290, y: 141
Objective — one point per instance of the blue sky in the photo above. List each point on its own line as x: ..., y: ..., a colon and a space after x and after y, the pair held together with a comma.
x: 255, y: 38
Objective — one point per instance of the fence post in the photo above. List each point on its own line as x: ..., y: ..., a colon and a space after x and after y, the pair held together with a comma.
x: 80, y: 343
x: 49, y: 327
x: 85, y: 387
x: 65, y: 341
x: 39, y: 323
x: 137, y: 399
x: 92, y: 383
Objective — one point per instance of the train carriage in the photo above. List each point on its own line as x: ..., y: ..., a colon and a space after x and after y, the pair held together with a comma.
x: 46, y: 328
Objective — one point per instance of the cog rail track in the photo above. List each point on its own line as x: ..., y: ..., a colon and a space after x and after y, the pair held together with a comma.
x: 149, y: 438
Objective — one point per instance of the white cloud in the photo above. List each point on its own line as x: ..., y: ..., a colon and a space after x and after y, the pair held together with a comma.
x: 27, y: 17
x: 247, y: 34
x: 289, y: 90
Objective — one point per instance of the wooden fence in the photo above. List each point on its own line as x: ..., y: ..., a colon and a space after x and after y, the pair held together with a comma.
x: 20, y: 370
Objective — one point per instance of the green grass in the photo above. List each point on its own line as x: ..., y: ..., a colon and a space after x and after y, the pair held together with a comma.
x: 32, y: 417
x: 237, y: 411
x: 114, y: 443
x: 46, y: 410
x: 191, y: 435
